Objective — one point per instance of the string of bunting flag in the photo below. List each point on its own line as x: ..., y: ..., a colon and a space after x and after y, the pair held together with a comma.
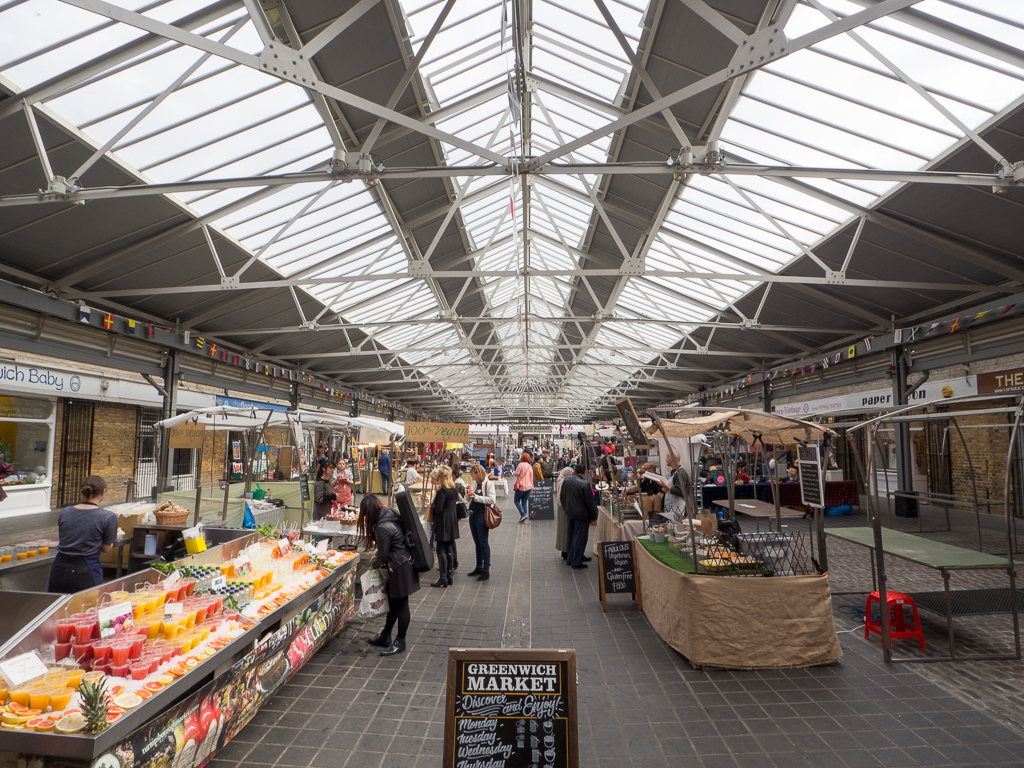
x: 898, y: 337
x: 200, y: 345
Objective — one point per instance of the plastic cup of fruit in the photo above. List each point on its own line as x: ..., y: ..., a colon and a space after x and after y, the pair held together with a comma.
x: 44, y: 546
x: 39, y: 698
x: 6, y: 554
x: 119, y: 670
x: 101, y: 649
x: 138, y: 642
x: 65, y: 630
x: 202, y: 609
x: 166, y: 651
x: 101, y: 666
x: 60, y: 698
x: 139, y: 670
x: 74, y: 678
x: 120, y: 651
x: 21, y: 552
x: 190, y: 585
x: 83, y: 631
x: 61, y: 651
x: 31, y: 548
x: 81, y: 651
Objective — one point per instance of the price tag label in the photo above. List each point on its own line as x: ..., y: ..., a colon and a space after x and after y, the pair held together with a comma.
x: 284, y: 546
x: 115, y: 619
x: 171, y: 580
x: 219, y: 582
x: 21, y: 669
x: 173, y: 609
x: 242, y: 566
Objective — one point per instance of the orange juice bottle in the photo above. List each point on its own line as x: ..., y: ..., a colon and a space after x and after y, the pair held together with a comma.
x: 60, y: 698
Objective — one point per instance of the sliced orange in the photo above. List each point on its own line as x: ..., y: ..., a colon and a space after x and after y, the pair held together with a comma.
x: 47, y: 725
x: 154, y: 686
x: 143, y: 693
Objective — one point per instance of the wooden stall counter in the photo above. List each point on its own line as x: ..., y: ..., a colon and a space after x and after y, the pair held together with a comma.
x: 739, y: 622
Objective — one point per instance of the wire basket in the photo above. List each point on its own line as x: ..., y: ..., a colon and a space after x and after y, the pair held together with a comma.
x: 172, y: 518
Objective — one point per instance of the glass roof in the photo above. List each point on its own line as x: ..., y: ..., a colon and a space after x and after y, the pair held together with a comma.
x: 173, y: 113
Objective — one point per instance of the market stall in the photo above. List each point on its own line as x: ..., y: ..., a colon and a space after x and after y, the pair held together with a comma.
x: 291, y: 465
x: 185, y: 659
x: 719, y: 596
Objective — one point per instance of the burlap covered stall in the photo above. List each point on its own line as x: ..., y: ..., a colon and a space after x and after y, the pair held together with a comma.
x: 740, y: 623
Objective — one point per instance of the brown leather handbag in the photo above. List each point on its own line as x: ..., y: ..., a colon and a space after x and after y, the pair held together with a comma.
x: 492, y: 515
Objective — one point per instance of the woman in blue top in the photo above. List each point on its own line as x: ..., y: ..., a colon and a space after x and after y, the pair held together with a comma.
x: 86, y: 530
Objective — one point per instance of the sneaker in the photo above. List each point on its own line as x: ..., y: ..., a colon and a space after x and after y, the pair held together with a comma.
x: 522, y: 519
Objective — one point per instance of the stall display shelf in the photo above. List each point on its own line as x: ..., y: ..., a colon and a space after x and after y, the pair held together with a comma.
x: 311, y: 602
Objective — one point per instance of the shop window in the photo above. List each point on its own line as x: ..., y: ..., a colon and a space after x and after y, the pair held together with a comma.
x: 26, y: 445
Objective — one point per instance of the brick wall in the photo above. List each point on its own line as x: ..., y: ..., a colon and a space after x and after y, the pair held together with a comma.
x: 113, y: 447
x: 987, y: 449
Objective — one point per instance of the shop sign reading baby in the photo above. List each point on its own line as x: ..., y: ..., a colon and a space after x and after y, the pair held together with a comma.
x: 436, y: 432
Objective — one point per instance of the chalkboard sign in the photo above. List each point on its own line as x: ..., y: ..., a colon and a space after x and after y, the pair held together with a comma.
x: 810, y: 476
x: 511, y: 708
x: 304, y: 488
x: 542, y: 500
x: 628, y: 415
x: 618, y: 571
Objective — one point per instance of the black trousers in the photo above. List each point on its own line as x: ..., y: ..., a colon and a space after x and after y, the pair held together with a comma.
x: 398, y: 612
x: 446, y: 559
x: 576, y: 532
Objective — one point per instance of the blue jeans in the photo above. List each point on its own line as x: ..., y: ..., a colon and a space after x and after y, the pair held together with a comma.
x: 478, y: 527
x: 385, y: 481
x: 520, y: 498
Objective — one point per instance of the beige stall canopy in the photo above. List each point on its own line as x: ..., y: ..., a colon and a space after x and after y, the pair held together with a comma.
x: 776, y: 430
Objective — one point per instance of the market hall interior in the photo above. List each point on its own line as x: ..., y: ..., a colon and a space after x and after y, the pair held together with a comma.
x: 755, y: 266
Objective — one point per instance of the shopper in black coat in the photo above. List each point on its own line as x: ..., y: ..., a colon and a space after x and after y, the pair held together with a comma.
x: 577, y: 498
x: 381, y: 527
x: 322, y: 493
x: 446, y: 523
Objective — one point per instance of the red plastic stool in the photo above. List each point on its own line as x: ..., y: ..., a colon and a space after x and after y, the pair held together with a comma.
x: 897, y: 626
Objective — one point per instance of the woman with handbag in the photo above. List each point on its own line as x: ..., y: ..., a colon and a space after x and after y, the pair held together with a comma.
x: 523, y: 485
x: 446, y: 523
x: 381, y: 527
x: 481, y: 495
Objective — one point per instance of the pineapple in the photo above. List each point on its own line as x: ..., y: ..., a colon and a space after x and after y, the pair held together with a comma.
x: 95, y: 705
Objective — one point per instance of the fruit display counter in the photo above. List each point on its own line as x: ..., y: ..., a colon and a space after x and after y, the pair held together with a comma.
x: 163, y: 669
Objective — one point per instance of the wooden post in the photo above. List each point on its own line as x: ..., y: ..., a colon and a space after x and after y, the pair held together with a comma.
x: 199, y: 499
x: 636, y: 578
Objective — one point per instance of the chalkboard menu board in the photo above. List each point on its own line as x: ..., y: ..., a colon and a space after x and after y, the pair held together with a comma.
x: 628, y: 415
x: 511, y: 708
x: 810, y: 476
x: 618, y: 570
x: 542, y: 500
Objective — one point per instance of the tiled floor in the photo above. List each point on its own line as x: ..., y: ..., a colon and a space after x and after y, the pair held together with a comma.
x: 640, y: 703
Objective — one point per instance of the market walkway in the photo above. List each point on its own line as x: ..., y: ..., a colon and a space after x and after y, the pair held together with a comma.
x: 640, y: 703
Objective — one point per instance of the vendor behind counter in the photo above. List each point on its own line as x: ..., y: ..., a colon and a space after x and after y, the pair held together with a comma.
x: 85, y: 530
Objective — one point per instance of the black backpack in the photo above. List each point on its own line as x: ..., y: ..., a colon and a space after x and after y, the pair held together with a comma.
x: 415, y: 535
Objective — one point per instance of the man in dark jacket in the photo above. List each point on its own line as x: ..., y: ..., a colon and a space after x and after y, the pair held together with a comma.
x: 547, y: 466
x: 577, y: 499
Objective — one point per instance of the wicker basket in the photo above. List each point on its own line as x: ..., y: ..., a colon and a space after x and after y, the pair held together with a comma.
x: 172, y: 518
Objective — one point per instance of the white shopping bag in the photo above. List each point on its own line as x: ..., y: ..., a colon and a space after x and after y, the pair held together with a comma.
x: 375, y: 593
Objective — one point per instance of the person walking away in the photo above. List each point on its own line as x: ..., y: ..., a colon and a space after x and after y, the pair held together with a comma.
x: 86, y: 530
x: 580, y: 510
x: 323, y: 496
x: 384, y: 467
x: 560, y: 522
x: 523, y: 485
x: 481, y: 494
x: 538, y: 472
x: 381, y: 527
x: 343, y: 487
x: 446, y: 522
x: 547, y: 466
